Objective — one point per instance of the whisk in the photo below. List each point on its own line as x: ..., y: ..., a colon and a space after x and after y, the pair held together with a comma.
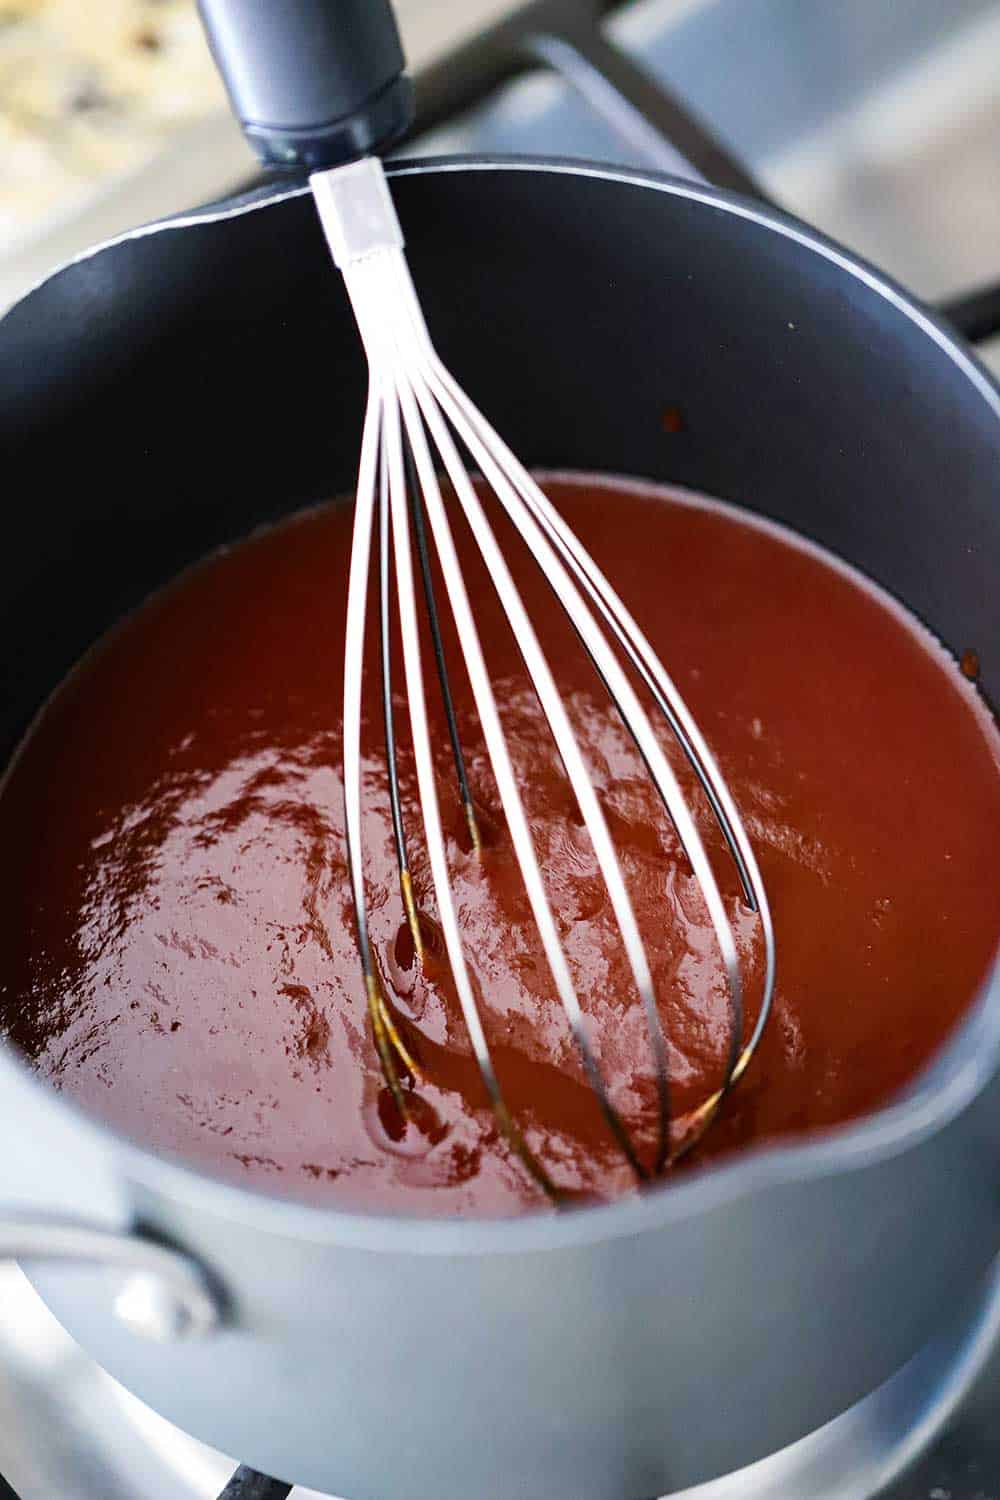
x: 418, y: 422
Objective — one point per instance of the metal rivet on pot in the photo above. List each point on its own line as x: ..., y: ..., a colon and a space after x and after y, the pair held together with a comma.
x: 151, y: 1308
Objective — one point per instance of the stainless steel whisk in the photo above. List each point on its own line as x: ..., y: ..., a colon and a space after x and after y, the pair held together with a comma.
x: 416, y: 407
x: 320, y: 84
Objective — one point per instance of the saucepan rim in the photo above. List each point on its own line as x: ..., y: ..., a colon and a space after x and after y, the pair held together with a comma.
x: 943, y: 1090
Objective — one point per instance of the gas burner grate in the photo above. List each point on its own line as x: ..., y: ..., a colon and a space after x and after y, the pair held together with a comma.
x: 247, y: 1484
x: 568, y: 38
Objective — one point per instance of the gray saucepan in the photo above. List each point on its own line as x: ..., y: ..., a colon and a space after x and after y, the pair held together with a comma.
x: 171, y: 390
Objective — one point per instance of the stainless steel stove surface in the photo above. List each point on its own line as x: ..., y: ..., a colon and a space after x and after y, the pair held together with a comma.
x: 879, y: 123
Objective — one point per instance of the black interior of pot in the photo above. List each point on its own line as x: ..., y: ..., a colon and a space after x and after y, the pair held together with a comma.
x: 174, y: 391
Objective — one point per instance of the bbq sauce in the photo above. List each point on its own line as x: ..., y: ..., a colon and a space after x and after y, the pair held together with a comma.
x: 178, y: 941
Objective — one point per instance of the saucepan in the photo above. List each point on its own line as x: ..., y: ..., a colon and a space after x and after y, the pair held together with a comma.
x: 170, y: 391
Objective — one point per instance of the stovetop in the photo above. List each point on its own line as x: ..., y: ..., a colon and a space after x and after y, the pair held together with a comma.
x: 878, y: 123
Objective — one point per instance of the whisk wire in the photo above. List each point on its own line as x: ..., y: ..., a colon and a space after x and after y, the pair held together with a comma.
x: 356, y: 610
x: 388, y: 712
x: 420, y: 537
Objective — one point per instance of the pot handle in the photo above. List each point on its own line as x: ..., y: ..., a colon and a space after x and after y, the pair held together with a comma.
x: 313, y: 83
x: 164, y: 1296
x: 63, y: 1201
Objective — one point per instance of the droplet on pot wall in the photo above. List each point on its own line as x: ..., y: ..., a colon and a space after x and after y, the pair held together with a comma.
x: 969, y: 663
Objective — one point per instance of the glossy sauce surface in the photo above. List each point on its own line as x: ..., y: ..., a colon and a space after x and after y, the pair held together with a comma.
x: 177, y: 934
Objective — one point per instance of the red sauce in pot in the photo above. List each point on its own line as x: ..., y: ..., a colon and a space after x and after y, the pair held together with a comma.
x: 177, y: 935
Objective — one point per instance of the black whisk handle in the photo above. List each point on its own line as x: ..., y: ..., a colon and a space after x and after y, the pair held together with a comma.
x: 313, y: 82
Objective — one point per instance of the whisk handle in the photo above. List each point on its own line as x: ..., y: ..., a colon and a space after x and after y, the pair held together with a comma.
x: 313, y: 82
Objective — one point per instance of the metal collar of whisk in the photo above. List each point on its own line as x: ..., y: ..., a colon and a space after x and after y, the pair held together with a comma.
x: 416, y: 409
